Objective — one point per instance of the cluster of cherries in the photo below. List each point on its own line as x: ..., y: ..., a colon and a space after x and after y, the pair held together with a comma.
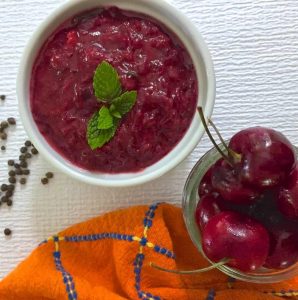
x: 248, y: 208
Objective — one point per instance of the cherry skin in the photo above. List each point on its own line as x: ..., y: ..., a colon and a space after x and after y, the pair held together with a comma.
x: 227, y: 182
x: 288, y: 196
x: 208, y: 206
x: 205, y: 186
x: 283, y: 250
x: 267, y: 156
x: 234, y: 236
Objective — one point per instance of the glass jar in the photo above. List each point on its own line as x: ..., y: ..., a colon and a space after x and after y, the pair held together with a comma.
x: 189, y: 203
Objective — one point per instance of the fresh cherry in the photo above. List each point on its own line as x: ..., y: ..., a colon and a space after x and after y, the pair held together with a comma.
x: 267, y: 156
x: 227, y: 181
x: 205, y: 186
x: 288, y: 196
x: 283, y: 250
x: 238, y: 238
x: 208, y: 206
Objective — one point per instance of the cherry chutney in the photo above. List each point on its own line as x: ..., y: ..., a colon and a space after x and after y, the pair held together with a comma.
x: 147, y: 57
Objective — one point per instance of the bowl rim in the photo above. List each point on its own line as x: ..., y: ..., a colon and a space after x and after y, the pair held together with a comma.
x: 119, y: 179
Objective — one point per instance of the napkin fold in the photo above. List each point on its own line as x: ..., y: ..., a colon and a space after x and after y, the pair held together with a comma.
x: 108, y: 258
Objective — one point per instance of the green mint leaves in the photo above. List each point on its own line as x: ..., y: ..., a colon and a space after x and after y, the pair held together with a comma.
x: 106, y: 82
x: 107, y: 88
x: 105, y: 119
x: 98, y: 137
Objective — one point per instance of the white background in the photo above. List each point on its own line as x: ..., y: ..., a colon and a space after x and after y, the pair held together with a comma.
x: 254, y: 45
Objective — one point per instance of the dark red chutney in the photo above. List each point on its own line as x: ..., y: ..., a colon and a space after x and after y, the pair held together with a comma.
x: 148, y: 59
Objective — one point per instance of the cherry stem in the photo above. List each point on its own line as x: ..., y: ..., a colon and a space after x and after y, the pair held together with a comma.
x: 200, y: 110
x: 188, y: 272
x: 235, y: 156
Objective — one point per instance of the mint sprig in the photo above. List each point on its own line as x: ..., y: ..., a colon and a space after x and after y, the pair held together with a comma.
x: 107, y: 88
x: 106, y: 82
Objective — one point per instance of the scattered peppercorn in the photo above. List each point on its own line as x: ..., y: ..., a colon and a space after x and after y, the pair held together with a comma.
x: 12, y: 180
x: 4, y: 199
x: 23, y: 164
x: 3, y: 136
x: 3, y: 148
x: 44, y: 180
x: 2, y: 97
x: 19, y: 172
x: 4, y: 187
x: 10, y: 162
x: 9, y: 202
x: 22, y: 157
x: 28, y: 143
x: 49, y: 175
x: 26, y: 172
x: 11, y: 121
x: 23, y: 181
x: 4, y: 124
x: 17, y: 166
x: 7, y: 231
x: 34, y: 151
x: 8, y: 194
x: 23, y: 149
x: 28, y: 155
x: 12, y: 173
x: 11, y: 187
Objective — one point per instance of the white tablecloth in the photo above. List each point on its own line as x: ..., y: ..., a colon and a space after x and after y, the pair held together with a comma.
x: 254, y: 45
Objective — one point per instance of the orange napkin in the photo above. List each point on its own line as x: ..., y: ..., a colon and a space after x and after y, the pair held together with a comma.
x: 108, y: 258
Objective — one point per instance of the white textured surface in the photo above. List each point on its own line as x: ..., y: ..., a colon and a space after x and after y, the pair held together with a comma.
x: 254, y: 45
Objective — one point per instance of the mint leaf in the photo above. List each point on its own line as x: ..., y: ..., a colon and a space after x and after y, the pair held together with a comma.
x: 125, y: 102
x: 114, y: 112
x: 98, y: 137
x: 106, y: 82
x: 105, y: 119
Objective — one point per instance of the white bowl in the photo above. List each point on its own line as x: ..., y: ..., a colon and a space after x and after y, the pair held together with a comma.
x: 189, y: 36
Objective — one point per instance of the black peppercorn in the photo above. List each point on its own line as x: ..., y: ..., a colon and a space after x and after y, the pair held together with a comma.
x: 49, y: 175
x: 28, y: 143
x: 8, y: 194
x: 19, y: 172
x: 26, y: 172
x: 11, y: 187
x: 4, y: 124
x: 11, y: 121
x: 28, y: 155
x: 17, y: 166
x: 2, y: 97
x: 22, y: 157
x: 12, y: 180
x: 23, y: 149
x: 23, y: 164
x: 10, y: 162
x: 12, y: 173
x: 4, y: 199
x: 44, y: 180
x: 3, y: 136
x: 3, y: 148
x: 7, y: 231
x: 9, y: 202
x: 23, y: 181
x: 34, y: 151
x: 4, y: 187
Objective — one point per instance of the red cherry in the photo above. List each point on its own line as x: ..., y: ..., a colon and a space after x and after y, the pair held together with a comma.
x: 238, y: 238
x: 227, y: 181
x: 288, y: 196
x: 267, y: 156
x: 208, y: 206
x: 283, y: 250
x: 205, y: 186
